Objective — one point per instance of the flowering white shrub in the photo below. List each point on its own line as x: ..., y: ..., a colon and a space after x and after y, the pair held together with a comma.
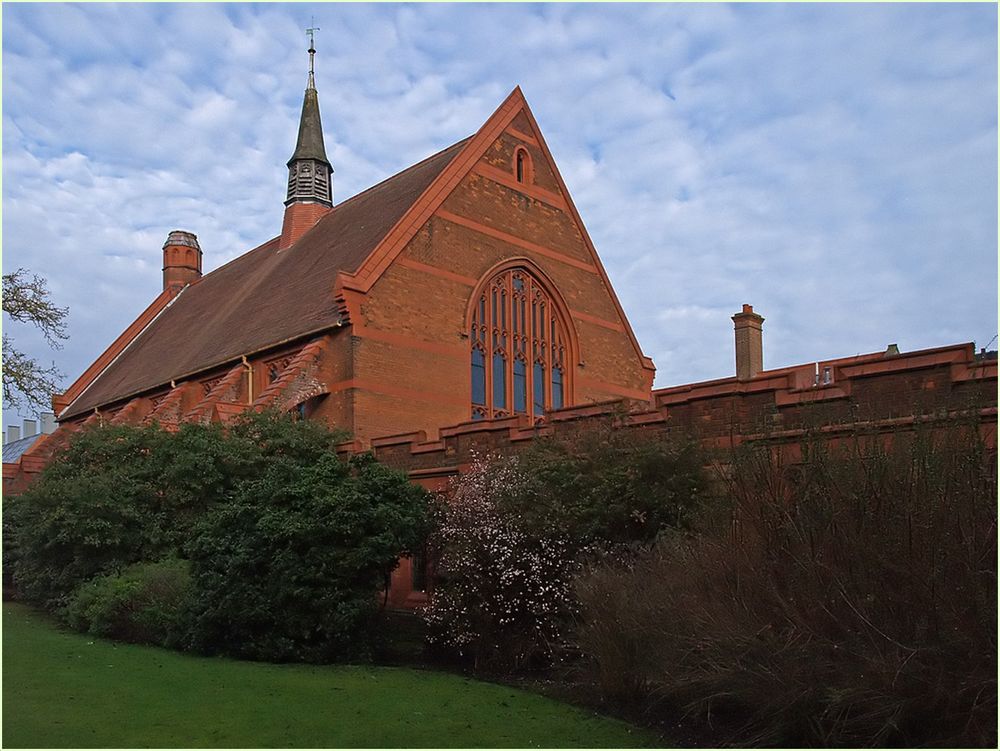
x: 503, y: 594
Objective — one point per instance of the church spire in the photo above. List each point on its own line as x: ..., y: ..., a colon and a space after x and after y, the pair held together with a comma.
x: 310, y: 174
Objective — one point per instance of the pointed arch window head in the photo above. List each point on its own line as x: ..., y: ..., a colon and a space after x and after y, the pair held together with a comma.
x: 523, y: 169
x: 519, y: 348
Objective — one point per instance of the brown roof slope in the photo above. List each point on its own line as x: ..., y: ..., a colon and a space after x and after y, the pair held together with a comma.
x: 263, y: 297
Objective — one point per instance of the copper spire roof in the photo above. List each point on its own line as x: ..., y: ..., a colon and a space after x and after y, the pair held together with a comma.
x: 310, y: 141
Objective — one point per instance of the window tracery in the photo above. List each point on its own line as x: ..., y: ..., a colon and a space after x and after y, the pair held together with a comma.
x: 519, y: 349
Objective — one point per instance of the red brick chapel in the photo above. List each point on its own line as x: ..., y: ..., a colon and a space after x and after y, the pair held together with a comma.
x: 463, y: 288
x: 460, y: 299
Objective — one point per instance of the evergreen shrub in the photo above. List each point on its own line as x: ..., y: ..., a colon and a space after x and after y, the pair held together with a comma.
x: 288, y: 545
x: 288, y: 568
x: 611, y: 486
x: 143, y: 604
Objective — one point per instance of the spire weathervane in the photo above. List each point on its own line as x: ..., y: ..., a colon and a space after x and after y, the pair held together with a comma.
x: 312, y: 51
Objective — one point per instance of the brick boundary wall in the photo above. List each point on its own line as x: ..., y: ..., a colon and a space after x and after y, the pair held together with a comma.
x: 874, y: 391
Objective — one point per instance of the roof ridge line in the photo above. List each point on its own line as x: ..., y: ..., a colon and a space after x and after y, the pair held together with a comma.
x: 402, y: 171
x: 242, y: 255
x: 342, y: 203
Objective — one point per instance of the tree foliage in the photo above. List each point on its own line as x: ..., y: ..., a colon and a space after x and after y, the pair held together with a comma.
x: 118, y: 495
x: 26, y: 300
x: 606, y: 485
x: 288, y: 568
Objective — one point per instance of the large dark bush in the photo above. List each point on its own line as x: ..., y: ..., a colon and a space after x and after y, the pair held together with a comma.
x: 100, y: 505
x: 851, y: 601
x: 605, y: 484
x: 10, y: 554
x: 289, y: 567
x: 287, y: 544
x: 142, y: 604
x: 119, y: 495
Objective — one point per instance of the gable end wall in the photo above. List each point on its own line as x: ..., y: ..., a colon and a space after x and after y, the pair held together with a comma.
x: 410, y: 349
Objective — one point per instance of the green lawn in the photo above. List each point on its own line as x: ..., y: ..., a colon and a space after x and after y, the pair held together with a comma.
x: 63, y: 689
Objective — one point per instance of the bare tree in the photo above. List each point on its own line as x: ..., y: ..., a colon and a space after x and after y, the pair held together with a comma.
x: 26, y: 300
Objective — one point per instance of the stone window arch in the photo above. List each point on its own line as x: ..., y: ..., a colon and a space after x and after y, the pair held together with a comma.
x: 521, y: 345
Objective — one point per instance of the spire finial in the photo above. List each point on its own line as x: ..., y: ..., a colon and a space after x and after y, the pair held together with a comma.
x: 312, y: 51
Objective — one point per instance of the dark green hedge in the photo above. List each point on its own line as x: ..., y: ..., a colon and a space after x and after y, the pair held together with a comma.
x: 288, y: 544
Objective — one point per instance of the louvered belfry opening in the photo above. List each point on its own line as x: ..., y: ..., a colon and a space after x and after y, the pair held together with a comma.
x: 310, y: 174
x: 309, y: 180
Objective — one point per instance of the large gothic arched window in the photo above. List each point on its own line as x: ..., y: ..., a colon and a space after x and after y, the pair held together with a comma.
x: 520, y: 351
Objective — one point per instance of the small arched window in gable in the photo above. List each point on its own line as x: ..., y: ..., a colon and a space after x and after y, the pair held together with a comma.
x: 522, y: 166
x: 519, y: 349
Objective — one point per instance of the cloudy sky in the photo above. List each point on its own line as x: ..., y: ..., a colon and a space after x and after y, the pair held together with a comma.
x: 833, y: 165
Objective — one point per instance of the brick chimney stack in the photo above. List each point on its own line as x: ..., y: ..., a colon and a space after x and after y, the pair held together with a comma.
x: 181, y: 259
x: 749, y: 343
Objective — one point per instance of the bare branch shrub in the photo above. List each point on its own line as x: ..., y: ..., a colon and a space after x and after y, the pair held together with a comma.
x: 26, y: 382
x: 851, y: 601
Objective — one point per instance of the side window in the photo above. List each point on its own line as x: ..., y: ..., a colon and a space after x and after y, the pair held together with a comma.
x: 522, y: 166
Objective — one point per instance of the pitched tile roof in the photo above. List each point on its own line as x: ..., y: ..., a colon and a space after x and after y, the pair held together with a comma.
x: 12, y: 451
x: 264, y: 297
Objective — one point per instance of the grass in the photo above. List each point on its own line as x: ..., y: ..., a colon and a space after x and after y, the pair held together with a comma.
x: 63, y: 689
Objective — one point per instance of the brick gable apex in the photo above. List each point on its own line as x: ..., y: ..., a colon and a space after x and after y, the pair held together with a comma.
x: 514, y: 116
